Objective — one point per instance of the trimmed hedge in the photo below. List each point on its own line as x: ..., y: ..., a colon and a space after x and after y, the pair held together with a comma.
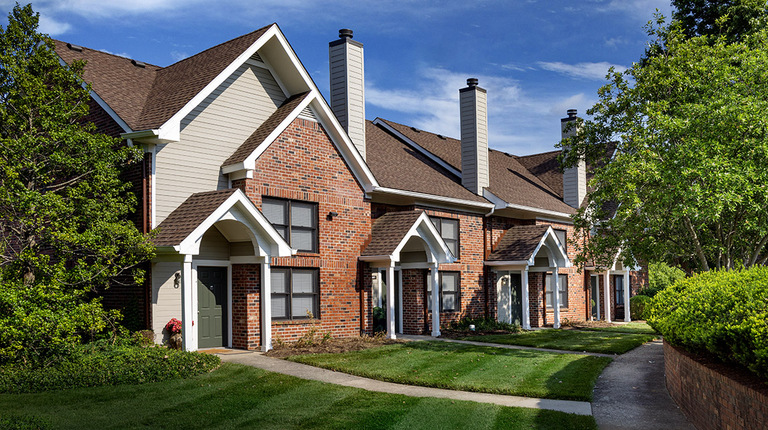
x: 101, y: 364
x: 637, y: 307
x: 723, y: 313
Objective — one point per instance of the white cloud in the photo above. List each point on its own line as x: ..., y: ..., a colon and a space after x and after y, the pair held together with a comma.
x: 596, y: 71
x: 119, y: 54
x: 52, y: 27
x: 178, y: 56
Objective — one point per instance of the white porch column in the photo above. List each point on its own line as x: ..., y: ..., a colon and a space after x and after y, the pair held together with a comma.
x: 556, y: 295
x: 526, y: 305
x: 435, y: 300
x: 188, y: 306
x: 391, y: 301
x: 399, y: 287
x: 266, y: 306
x: 607, y: 293
x: 627, y: 316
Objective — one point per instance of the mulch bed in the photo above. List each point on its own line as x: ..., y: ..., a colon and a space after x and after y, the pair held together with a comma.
x: 336, y: 345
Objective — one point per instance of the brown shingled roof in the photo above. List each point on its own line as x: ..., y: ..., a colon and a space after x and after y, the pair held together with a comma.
x: 389, y: 230
x: 546, y: 168
x: 188, y: 216
x: 261, y: 133
x: 146, y: 97
x: 397, y: 165
x: 518, y: 243
x: 509, y: 179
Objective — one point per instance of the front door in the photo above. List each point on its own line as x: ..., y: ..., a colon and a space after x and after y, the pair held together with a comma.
x: 510, y: 302
x: 594, y: 296
x: 212, y: 306
x: 619, y: 295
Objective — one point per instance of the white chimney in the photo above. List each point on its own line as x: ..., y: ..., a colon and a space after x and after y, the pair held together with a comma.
x: 348, y: 86
x: 473, y: 108
x: 574, y: 178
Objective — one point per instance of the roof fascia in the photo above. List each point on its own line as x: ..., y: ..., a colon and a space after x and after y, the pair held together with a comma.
x: 417, y: 147
x: 171, y: 129
x: 550, y: 233
x: 431, y: 197
x: 503, y: 204
x: 423, y: 227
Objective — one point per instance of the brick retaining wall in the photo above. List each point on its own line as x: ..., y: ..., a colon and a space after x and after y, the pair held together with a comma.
x: 712, y: 395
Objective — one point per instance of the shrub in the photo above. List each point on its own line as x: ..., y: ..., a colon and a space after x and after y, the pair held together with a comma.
x: 637, y: 306
x: 26, y: 422
x: 660, y: 276
x: 379, y: 319
x: 723, y: 313
x: 101, y: 363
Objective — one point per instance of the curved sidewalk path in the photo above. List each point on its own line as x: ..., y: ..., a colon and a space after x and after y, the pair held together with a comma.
x: 257, y: 359
x: 631, y: 393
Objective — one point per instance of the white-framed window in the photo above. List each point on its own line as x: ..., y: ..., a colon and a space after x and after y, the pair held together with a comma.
x: 449, y: 292
x: 295, y: 293
x: 296, y: 221
x: 563, y: 290
x: 448, y: 228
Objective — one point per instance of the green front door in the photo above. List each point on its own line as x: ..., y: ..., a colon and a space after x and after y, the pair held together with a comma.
x: 516, y: 298
x: 212, y: 306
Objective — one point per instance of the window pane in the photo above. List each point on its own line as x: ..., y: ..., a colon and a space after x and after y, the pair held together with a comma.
x: 280, y: 306
x: 274, y: 210
x: 429, y: 296
x: 279, y: 280
x: 302, y: 214
x: 302, y: 304
x: 453, y: 245
x: 548, y: 284
x: 450, y: 229
x: 303, y: 239
x: 561, y: 237
x: 436, y: 223
x: 449, y: 302
x: 449, y: 282
x: 303, y: 281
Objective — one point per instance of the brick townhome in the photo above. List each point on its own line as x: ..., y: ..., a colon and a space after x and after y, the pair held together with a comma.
x: 275, y: 212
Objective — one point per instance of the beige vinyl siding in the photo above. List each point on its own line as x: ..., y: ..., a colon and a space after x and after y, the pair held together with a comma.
x: 214, y: 246
x: 166, y: 300
x: 474, y: 140
x: 348, y: 90
x: 211, y: 133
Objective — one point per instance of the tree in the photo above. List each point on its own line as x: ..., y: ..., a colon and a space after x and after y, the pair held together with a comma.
x: 688, y: 182
x: 732, y: 19
x: 63, y: 206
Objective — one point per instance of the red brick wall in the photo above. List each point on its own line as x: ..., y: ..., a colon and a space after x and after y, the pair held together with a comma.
x: 246, y: 306
x: 302, y: 164
x: 414, y: 301
x: 536, y: 299
x: 710, y: 397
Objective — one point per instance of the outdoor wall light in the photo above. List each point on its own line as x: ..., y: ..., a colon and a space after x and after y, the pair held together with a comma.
x: 331, y: 215
x: 177, y: 280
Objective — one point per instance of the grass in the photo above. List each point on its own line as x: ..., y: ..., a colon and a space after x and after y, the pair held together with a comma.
x: 237, y: 396
x: 471, y: 368
x: 603, y: 341
x: 630, y: 327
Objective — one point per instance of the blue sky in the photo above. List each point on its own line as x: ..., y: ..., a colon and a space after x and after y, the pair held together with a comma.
x: 536, y: 58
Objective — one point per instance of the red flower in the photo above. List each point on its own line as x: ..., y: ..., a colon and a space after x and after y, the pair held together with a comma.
x: 173, y: 326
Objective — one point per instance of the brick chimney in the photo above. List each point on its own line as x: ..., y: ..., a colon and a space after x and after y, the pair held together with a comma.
x: 473, y: 108
x: 348, y: 86
x: 574, y: 178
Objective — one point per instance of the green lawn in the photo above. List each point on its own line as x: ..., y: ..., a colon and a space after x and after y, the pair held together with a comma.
x: 607, y: 342
x: 471, y: 368
x: 237, y: 396
x: 630, y: 327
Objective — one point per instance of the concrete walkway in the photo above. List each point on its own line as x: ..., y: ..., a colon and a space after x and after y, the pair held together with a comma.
x: 631, y: 393
x: 499, y: 345
x: 257, y: 359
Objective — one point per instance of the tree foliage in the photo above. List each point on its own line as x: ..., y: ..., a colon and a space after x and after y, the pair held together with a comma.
x: 688, y: 182
x: 731, y: 19
x: 63, y: 205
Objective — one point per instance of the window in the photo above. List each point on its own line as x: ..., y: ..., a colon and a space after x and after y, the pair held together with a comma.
x: 562, y: 237
x: 563, y: 291
x: 294, y: 293
x: 618, y: 282
x: 295, y: 221
x: 449, y: 292
x: 449, y: 231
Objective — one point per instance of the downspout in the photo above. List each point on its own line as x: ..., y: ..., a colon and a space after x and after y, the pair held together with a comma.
x: 361, y: 287
x: 145, y: 230
x: 486, y: 253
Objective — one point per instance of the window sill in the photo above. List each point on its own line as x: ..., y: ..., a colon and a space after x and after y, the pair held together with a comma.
x: 298, y: 321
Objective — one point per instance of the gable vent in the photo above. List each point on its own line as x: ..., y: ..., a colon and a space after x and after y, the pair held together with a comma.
x: 307, y: 113
x: 77, y: 48
x: 138, y: 64
x: 257, y: 57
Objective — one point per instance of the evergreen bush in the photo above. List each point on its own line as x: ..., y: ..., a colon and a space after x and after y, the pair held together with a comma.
x: 722, y: 313
x: 637, y: 306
